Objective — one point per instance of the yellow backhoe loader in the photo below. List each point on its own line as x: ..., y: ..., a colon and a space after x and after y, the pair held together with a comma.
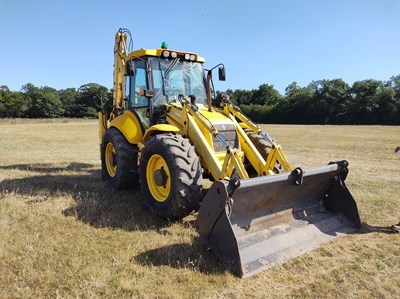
x: 168, y: 132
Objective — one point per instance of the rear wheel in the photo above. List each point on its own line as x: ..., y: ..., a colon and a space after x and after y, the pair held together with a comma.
x: 263, y: 148
x: 170, y: 176
x: 118, y: 160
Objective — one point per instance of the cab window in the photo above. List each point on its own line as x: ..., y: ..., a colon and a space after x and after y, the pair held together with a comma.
x: 138, y: 83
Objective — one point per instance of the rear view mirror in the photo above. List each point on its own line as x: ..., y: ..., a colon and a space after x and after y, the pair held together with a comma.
x: 221, y: 73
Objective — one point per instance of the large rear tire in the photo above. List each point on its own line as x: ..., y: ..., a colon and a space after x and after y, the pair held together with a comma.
x: 118, y: 160
x: 170, y: 176
x: 263, y: 148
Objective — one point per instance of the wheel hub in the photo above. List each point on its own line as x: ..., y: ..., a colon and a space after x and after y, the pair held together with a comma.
x: 160, y: 177
x: 113, y: 159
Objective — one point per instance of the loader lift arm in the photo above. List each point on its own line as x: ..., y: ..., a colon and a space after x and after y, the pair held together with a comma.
x: 276, y: 154
x: 232, y: 160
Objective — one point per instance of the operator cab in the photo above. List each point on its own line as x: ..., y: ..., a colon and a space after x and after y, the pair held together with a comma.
x: 159, y: 79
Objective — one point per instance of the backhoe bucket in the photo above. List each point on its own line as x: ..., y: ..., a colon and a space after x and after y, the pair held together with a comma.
x: 253, y: 224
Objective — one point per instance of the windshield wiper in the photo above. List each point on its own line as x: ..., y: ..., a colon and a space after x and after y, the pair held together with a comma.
x: 170, y: 67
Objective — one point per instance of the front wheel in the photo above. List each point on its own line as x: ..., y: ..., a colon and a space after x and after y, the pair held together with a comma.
x: 170, y: 176
x: 263, y: 147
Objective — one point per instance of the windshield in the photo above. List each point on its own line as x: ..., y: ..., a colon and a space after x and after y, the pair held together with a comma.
x: 172, y: 77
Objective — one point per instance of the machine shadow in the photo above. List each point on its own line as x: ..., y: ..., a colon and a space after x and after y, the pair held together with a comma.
x: 193, y: 256
x: 366, y: 229
x: 95, y: 204
x: 48, y: 168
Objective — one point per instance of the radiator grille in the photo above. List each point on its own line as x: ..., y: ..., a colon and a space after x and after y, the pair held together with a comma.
x: 227, y: 132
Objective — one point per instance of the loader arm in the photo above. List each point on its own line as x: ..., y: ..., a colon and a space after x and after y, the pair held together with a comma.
x: 260, y: 165
x: 188, y: 114
x: 186, y: 118
x: 232, y: 160
x: 192, y: 123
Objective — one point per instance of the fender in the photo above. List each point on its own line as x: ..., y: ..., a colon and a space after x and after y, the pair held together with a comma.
x: 159, y: 128
x: 129, y: 125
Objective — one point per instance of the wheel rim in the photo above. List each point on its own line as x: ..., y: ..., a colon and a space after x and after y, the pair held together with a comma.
x: 159, y: 192
x: 110, y: 158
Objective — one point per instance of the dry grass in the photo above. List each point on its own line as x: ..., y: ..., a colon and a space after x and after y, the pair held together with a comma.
x: 63, y: 233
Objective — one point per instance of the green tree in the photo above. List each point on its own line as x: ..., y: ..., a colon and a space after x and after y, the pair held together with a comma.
x: 329, y: 102
x: 4, y: 90
x: 363, y: 101
x: 12, y: 104
x: 93, y: 97
x: 69, y: 98
x: 45, y: 101
x: 385, y: 106
x: 257, y: 113
x: 242, y: 96
x: 265, y: 95
x: 292, y: 108
x: 394, y: 84
x: 17, y: 104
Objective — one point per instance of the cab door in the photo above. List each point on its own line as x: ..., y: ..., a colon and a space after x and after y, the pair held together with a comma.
x: 137, y: 102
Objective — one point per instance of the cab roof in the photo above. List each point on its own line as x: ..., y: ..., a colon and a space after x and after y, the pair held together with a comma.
x: 160, y: 53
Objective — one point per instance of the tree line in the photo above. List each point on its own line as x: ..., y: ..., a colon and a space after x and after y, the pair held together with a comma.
x: 324, y: 102
x: 47, y: 102
x: 320, y: 102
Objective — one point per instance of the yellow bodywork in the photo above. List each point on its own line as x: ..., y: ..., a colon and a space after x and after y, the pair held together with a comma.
x: 128, y: 124
x: 160, y: 128
x: 103, y: 125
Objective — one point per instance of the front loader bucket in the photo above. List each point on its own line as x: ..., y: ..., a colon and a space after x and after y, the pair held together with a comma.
x: 253, y: 224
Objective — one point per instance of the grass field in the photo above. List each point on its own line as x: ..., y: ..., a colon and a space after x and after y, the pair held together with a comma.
x: 64, y: 233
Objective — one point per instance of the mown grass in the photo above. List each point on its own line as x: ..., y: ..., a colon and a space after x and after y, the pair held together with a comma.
x: 64, y: 233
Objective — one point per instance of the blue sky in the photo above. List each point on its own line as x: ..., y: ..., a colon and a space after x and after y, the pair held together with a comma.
x: 70, y: 43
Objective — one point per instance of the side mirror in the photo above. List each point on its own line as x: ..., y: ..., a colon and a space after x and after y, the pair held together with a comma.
x: 221, y: 73
x: 130, y: 68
